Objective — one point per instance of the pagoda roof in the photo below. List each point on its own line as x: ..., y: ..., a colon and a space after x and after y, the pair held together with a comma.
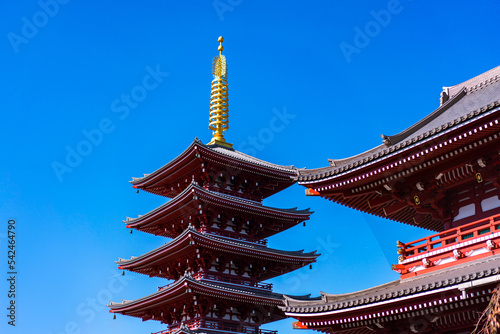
x: 177, y: 291
x: 197, y: 153
x: 181, y: 203
x: 183, y: 243
x: 470, y: 100
x: 459, y: 277
x: 412, y: 176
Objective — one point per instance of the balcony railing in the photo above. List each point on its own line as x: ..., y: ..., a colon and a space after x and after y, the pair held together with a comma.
x: 233, y: 280
x: 236, y: 194
x: 220, y: 326
x: 192, y: 325
x: 233, y: 235
x: 234, y: 328
x: 468, y: 232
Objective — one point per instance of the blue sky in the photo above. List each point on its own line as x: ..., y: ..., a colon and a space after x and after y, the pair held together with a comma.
x: 135, y: 78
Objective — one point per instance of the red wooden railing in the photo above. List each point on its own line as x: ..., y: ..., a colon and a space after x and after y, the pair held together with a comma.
x: 233, y: 280
x: 235, y: 194
x: 479, y: 228
x: 192, y: 325
x: 221, y: 326
x: 233, y: 235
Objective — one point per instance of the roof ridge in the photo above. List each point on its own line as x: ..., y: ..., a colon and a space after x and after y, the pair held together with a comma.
x: 473, y: 84
x: 249, y: 158
x: 135, y: 180
x: 404, y: 287
x: 259, y: 247
x: 330, y: 171
x: 394, y: 139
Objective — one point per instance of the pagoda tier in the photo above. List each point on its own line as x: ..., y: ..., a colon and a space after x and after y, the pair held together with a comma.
x: 199, y: 305
x: 219, y: 169
x: 448, y: 301
x: 216, y: 258
x: 439, y: 173
x: 217, y: 213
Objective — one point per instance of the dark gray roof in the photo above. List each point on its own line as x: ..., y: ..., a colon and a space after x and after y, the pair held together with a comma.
x: 213, y: 285
x: 474, y: 83
x: 247, y: 158
x: 194, y: 185
x: 452, y: 276
x: 472, y: 99
x: 227, y: 241
x: 222, y: 151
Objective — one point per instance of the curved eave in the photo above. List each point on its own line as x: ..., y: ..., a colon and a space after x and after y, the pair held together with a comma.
x: 197, y: 152
x: 322, y: 312
x: 340, y: 169
x: 423, y: 160
x: 184, y: 243
x: 410, y: 132
x: 233, y: 156
x: 186, y: 199
x: 178, y: 163
x: 405, y: 216
x: 177, y: 291
x: 173, y: 205
x: 475, y: 83
x: 473, y: 274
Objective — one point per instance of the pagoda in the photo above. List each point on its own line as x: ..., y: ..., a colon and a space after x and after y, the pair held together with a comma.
x: 218, y: 257
x: 441, y: 174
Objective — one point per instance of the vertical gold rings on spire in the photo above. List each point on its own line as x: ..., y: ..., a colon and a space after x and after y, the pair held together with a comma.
x: 219, y: 100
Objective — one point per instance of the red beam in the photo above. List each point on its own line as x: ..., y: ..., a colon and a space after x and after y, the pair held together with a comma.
x: 373, y: 203
x: 389, y: 210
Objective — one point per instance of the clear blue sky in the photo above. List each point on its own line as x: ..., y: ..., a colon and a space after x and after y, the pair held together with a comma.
x: 343, y: 71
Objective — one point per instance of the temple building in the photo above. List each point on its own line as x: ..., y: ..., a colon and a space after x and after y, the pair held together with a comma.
x: 440, y: 174
x: 218, y: 257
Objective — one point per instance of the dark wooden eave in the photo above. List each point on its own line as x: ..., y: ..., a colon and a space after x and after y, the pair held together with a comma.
x: 186, y: 287
x: 185, y: 245
x: 455, y: 290
x: 187, y: 206
x: 195, y: 162
x: 383, y: 181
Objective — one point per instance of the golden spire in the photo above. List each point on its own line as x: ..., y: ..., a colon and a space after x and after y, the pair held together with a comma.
x: 219, y: 107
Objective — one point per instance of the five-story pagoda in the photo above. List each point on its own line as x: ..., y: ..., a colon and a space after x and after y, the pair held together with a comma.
x: 218, y: 257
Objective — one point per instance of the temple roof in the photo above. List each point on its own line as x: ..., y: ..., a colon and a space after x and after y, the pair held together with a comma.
x: 212, y: 241
x: 471, y: 100
x: 193, y: 187
x: 477, y: 82
x: 248, y: 158
x: 209, y: 164
x: 218, y: 290
x: 456, y: 277
x: 179, y: 203
x: 220, y: 151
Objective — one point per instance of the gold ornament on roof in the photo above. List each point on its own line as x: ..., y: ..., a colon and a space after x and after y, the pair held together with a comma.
x: 219, y: 106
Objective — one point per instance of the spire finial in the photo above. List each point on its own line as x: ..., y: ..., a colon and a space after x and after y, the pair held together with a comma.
x: 221, y: 48
x: 219, y: 107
